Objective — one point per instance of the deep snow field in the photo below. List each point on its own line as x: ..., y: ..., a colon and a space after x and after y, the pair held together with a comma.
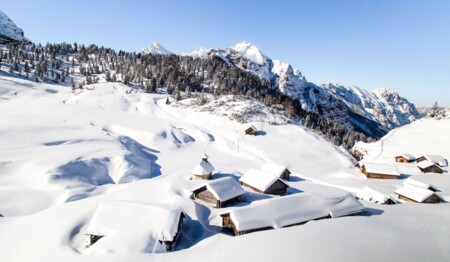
x: 62, y: 153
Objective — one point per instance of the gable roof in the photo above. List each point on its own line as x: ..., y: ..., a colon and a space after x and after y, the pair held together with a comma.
x: 437, y: 159
x: 273, y: 169
x: 202, y: 169
x: 293, y: 209
x: 426, y: 164
x: 372, y: 195
x: 407, y: 156
x: 411, y: 181
x: 381, y: 169
x: 415, y: 193
x: 223, y: 188
x: 259, y: 179
x: 251, y: 127
x: 132, y: 226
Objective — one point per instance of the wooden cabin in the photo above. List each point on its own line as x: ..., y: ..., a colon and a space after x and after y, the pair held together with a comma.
x: 220, y: 192
x: 203, y: 170
x: 277, y: 170
x: 251, y: 131
x: 405, y: 158
x: 412, y: 193
x: 262, y: 182
x: 416, y: 182
x: 288, y: 211
x: 429, y: 167
x: 437, y: 159
x: 137, y: 223
x: 373, y: 170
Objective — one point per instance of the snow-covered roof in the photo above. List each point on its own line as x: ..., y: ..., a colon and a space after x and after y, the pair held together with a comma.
x: 223, y: 188
x: 258, y: 179
x: 407, y: 156
x: 437, y: 159
x: 372, y: 195
x: 414, y: 182
x: 202, y: 169
x: 288, y: 210
x: 252, y: 127
x: 273, y: 169
x: 131, y: 224
x: 381, y: 169
x: 413, y: 192
x: 425, y: 164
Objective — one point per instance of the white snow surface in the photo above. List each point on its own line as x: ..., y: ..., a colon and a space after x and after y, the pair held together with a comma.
x: 285, y: 211
x: 9, y: 32
x: 258, y: 179
x: 415, y: 182
x: 63, y: 153
x: 126, y: 227
x: 156, y: 49
x: 202, y: 168
x: 372, y: 195
x: 224, y: 188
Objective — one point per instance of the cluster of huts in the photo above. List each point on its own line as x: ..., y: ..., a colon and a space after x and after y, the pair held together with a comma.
x: 411, y: 190
x: 426, y: 164
x: 269, y: 179
x: 117, y: 222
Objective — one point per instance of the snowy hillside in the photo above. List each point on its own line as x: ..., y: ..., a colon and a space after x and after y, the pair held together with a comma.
x: 9, y: 32
x: 373, y: 112
x: 62, y: 153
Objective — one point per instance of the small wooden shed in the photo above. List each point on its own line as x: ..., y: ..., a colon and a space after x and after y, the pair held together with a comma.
x: 219, y: 192
x: 373, y: 170
x: 429, y: 167
x: 405, y: 158
x: 263, y: 182
x: 251, y: 130
x: 203, y: 170
x: 412, y: 193
x: 119, y: 224
x: 437, y: 159
x: 415, y: 182
x: 277, y: 170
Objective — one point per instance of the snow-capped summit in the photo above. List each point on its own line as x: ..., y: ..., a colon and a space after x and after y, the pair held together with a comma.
x: 156, y: 49
x: 251, y: 52
x: 9, y: 32
x: 201, y: 52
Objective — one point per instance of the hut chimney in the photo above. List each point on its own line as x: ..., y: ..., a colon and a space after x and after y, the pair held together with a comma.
x: 205, y: 157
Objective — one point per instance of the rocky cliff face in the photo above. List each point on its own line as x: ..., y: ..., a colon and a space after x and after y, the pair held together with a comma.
x: 9, y: 32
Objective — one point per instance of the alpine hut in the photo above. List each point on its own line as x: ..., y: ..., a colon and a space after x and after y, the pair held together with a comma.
x: 429, y: 167
x: 277, y: 170
x: 120, y: 225
x: 415, y: 182
x: 412, y: 193
x: 373, y: 170
x: 251, y: 130
x: 288, y: 211
x: 203, y: 170
x: 219, y: 192
x: 263, y: 182
x: 437, y: 159
x: 405, y: 158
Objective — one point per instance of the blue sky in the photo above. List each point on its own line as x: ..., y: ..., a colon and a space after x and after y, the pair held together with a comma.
x: 402, y: 45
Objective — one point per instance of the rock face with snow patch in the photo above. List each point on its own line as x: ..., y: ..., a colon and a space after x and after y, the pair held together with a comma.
x: 9, y: 32
x: 371, y: 112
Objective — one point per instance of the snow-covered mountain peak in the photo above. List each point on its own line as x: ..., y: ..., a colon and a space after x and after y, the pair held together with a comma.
x: 251, y: 52
x: 156, y: 49
x: 9, y: 32
x: 201, y: 52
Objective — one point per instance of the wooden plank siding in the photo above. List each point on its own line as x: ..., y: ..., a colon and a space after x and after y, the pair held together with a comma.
x: 432, y: 199
x: 376, y: 175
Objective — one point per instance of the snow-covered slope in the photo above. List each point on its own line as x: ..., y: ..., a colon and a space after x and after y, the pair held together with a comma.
x: 373, y: 112
x: 63, y: 153
x: 156, y: 49
x: 9, y: 32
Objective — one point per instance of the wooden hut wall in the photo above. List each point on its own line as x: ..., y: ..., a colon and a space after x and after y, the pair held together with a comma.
x: 277, y: 188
